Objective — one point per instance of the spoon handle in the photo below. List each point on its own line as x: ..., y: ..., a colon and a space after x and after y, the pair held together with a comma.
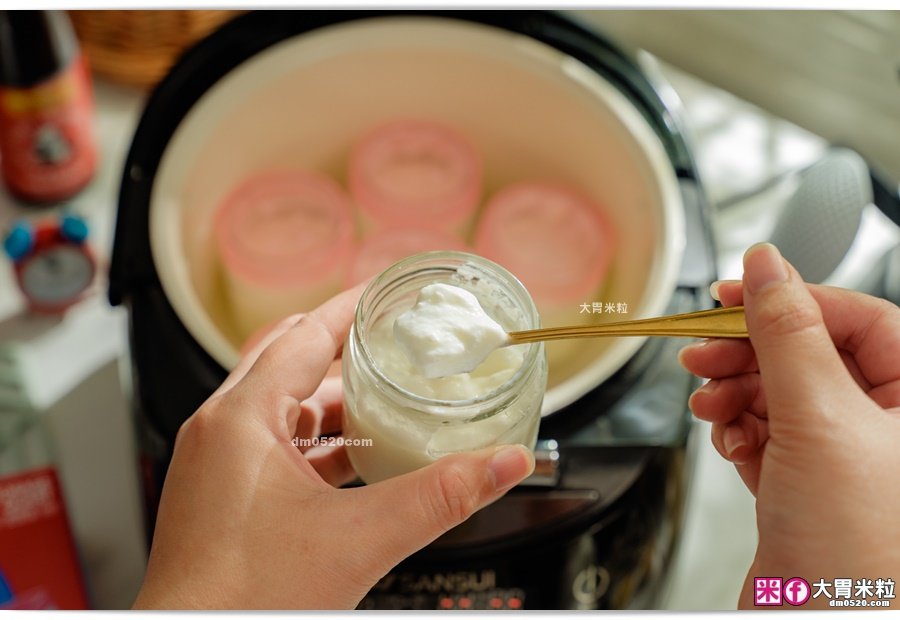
x: 716, y: 323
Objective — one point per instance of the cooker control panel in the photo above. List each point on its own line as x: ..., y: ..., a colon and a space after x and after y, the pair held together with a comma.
x: 496, y: 598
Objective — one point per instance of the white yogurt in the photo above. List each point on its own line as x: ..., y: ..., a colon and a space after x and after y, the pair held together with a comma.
x: 391, y: 359
x: 447, y: 332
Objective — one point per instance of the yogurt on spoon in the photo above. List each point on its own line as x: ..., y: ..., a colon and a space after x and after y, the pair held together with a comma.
x: 447, y: 332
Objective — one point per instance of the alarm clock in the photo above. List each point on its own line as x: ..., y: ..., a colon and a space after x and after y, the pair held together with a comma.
x: 53, y: 262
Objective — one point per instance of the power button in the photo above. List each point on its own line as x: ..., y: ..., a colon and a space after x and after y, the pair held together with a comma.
x: 590, y: 584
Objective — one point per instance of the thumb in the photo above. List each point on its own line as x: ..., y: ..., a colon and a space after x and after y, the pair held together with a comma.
x: 799, y: 365
x: 408, y: 512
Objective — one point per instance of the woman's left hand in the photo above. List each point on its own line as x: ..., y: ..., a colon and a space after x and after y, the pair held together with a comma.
x: 248, y: 520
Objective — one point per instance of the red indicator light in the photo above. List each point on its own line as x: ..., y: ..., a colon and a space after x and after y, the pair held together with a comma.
x: 514, y: 603
x: 446, y: 603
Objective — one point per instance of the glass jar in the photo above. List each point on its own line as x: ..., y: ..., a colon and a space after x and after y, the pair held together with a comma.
x: 390, y: 430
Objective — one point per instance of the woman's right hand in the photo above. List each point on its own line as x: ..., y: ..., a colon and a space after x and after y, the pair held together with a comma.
x: 807, y: 410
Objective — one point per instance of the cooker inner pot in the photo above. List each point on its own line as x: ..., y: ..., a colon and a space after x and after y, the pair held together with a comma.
x: 532, y: 113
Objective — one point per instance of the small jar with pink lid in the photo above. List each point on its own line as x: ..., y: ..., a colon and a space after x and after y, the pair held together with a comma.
x: 284, y: 241
x: 380, y: 250
x: 416, y: 173
x: 557, y: 241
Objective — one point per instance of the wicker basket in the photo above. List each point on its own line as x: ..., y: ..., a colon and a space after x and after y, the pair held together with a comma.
x: 139, y: 47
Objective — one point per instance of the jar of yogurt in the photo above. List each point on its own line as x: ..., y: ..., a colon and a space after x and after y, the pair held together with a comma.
x: 396, y: 419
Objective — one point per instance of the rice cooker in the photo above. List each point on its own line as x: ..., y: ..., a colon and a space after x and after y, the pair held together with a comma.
x: 598, y: 523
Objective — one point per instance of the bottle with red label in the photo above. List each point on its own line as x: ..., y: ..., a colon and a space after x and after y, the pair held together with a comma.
x: 47, y: 147
x: 39, y: 562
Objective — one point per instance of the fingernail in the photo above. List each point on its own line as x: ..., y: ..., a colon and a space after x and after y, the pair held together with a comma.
x: 763, y: 266
x: 733, y: 438
x: 693, y: 345
x: 714, y: 290
x: 706, y: 389
x: 510, y: 465
x: 710, y: 386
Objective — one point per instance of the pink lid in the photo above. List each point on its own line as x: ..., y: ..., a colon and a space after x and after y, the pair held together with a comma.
x: 552, y: 237
x: 382, y: 249
x: 416, y: 172
x: 285, y: 228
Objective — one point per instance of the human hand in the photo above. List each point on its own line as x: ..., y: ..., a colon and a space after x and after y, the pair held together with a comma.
x: 247, y: 520
x: 807, y: 411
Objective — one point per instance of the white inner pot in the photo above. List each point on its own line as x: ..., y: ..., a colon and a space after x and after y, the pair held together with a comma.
x: 531, y: 111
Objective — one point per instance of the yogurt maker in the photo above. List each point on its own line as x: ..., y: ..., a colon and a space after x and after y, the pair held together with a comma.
x: 539, y: 96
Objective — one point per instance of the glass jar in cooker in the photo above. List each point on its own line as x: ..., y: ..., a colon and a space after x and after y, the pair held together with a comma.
x: 396, y: 420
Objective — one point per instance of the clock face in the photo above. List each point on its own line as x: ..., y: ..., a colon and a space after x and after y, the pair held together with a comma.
x: 57, y: 275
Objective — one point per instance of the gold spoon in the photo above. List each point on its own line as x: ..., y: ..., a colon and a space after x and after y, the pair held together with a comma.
x: 716, y: 323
